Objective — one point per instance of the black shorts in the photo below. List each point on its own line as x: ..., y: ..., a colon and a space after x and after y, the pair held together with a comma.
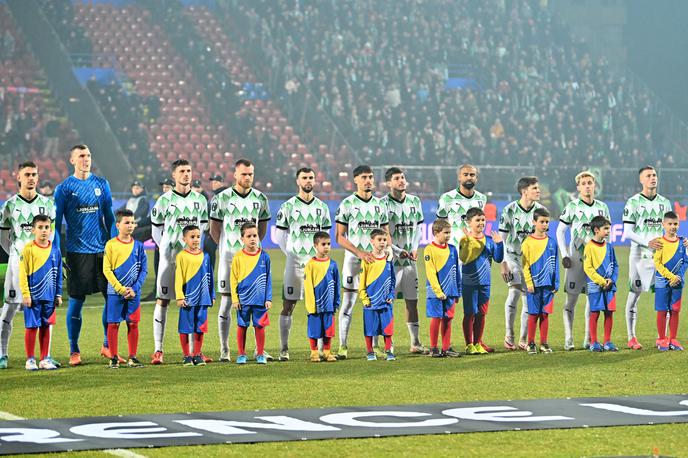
x: 85, y: 274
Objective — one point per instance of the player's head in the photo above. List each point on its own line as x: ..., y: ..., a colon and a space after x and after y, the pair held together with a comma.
x: 191, y: 235
x: 670, y: 223
x: 322, y: 244
x: 600, y: 227
x: 585, y: 183
x: 125, y: 221
x: 27, y: 176
x: 181, y: 173
x: 244, y: 172
x: 305, y: 179
x: 80, y: 158
x: 529, y: 188
x: 542, y: 218
x: 648, y: 178
x: 396, y: 179
x: 468, y: 176
x: 40, y: 226
x: 378, y: 237
x: 475, y: 217
x: 249, y: 235
x: 441, y: 231
x: 364, y: 178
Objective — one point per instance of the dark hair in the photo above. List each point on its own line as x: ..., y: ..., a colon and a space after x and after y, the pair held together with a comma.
x: 320, y: 235
x: 243, y: 161
x: 361, y: 169
x: 40, y: 219
x: 647, y: 167
x: 247, y: 226
x: 670, y: 215
x: 473, y: 212
x: 122, y: 213
x: 178, y: 163
x: 439, y: 225
x: 26, y: 164
x: 598, y: 222
x: 304, y: 170
x: 189, y: 228
x: 540, y: 213
x: 468, y: 166
x: 80, y: 147
x: 525, y: 182
x: 377, y: 231
x: 390, y: 172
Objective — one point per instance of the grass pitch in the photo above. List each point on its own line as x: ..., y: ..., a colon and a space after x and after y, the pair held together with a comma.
x: 94, y: 390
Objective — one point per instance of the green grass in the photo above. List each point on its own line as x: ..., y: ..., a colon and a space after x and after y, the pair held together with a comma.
x: 88, y: 390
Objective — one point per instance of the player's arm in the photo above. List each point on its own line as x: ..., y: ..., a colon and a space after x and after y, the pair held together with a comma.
x: 5, y: 241
x: 362, y: 283
x: 262, y: 229
x: 590, y: 269
x: 143, y: 271
x: 158, y: 220
x: 108, y: 271
x: 263, y: 217
x: 561, y: 242
x: 108, y: 213
x: 630, y: 234
x: 661, y: 268
x: 309, y: 289
x: 345, y: 243
x: 526, y: 262
x: 59, y: 208
x: 215, y: 229
x: 281, y: 239
x: 431, y: 274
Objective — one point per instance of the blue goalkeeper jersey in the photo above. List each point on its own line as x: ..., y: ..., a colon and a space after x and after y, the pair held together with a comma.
x: 86, y: 206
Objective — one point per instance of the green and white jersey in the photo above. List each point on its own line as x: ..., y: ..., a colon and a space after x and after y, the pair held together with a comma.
x: 404, y: 218
x: 234, y: 210
x: 646, y: 216
x: 17, y: 215
x: 301, y: 220
x: 453, y: 206
x: 517, y: 224
x: 174, y: 211
x: 361, y: 217
x: 578, y: 215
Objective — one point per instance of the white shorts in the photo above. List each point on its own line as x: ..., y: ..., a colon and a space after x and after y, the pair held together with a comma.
x: 293, y: 278
x: 514, y: 263
x: 641, y: 271
x: 576, y: 280
x: 351, y: 271
x: 407, y: 281
x: 13, y: 293
x: 224, y: 266
x: 166, y: 268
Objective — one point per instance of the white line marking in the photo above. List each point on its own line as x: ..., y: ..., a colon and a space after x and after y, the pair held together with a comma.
x: 9, y: 416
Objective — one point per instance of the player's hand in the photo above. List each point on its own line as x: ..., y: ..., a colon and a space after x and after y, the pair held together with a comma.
x: 182, y: 303
x: 390, y: 301
x: 685, y: 241
x: 466, y: 232
x: 607, y: 284
x: 366, y: 256
x: 566, y: 262
x: 530, y: 289
x: 58, y: 301
x: 268, y: 305
x: 236, y: 306
x: 404, y: 254
x: 655, y: 244
x: 496, y: 237
x: 507, y: 276
x: 26, y: 302
x: 413, y: 255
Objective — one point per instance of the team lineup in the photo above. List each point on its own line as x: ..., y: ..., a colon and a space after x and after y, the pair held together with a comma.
x: 381, y: 238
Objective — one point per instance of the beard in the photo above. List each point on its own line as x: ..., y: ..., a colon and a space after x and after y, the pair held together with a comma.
x: 307, y: 189
x: 468, y: 184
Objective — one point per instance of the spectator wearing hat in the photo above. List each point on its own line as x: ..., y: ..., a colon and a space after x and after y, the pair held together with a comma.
x: 217, y: 184
x: 138, y: 203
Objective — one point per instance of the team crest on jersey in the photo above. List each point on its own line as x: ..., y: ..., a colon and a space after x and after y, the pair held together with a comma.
x: 256, y: 205
x: 222, y: 283
x: 197, y: 205
x: 41, y: 210
x: 97, y: 191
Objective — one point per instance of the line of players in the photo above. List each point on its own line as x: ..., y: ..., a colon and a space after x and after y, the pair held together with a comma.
x: 84, y: 202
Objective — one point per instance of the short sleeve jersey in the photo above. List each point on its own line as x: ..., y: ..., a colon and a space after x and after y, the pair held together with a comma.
x: 301, y: 220
x: 405, y: 217
x: 517, y: 224
x: 361, y: 216
x: 578, y: 215
x: 175, y: 211
x: 17, y: 215
x: 646, y: 215
x: 453, y: 206
x: 234, y: 210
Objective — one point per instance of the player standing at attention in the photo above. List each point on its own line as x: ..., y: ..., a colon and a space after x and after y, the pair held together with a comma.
x: 405, y: 214
x: 577, y: 216
x: 476, y: 252
x: 517, y: 223
x: 443, y: 287
x: 297, y: 220
x: 173, y: 211
x: 454, y: 204
x: 357, y: 216
x: 671, y: 262
x: 125, y: 266
x: 321, y: 288
x: 229, y: 211
x: 16, y: 228
x: 40, y: 279
x: 541, y: 275
x: 643, y: 227
x: 84, y: 201
x: 195, y: 293
x: 602, y: 272
x: 251, y: 289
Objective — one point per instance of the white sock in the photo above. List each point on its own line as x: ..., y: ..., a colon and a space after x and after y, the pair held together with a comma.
x: 524, y: 319
x: 414, y: 329
x: 510, y: 312
x: 587, y: 320
x: 632, y: 312
x: 348, y: 301
x: 159, y: 319
x: 6, y: 316
x: 285, y: 327
x: 569, y: 312
x: 224, y: 321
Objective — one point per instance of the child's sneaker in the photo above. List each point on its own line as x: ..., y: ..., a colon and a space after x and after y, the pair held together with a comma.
x: 595, y: 347
x: 479, y: 349
x: 198, y: 360
x: 47, y: 365
x: 435, y: 352
x: 485, y: 347
x: 3, y: 362
x: 188, y: 361
x: 242, y: 359
x: 114, y: 363
x: 284, y: 355
x: 471, y: 350
x: 266, y: 355
x: 609, y: 346
x: 31, y: 364
x: 315, y: 356
x: 663, y: 344
x: 390, y: 356
x: 532, y: 348
x: 157, y: 358
x: 75, y: 359
x: 328, y: 356
x: 633, y: 344
x: 451, y: 353
x: 343, y: 352
x: 134, y: 362
x: 545, y: 348
x: 262, y: 359
x: 371, y: 356
x: 675, y: 345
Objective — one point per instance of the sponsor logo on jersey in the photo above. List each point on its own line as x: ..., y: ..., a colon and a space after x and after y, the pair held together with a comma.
x: 365, y: 224
x: 309, y: 228
x: 87, y: 209
x: 241, y: 221
x: 187, y: 221
x: 653, y: 222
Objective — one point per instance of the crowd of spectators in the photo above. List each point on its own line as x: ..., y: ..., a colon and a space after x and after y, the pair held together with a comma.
x: 73, y: 37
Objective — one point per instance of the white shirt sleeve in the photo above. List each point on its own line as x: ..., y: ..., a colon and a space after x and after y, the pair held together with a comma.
x: 281, y: 239
x: 629, y: 234
x: 156, y: 233
x: 561, y: 239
